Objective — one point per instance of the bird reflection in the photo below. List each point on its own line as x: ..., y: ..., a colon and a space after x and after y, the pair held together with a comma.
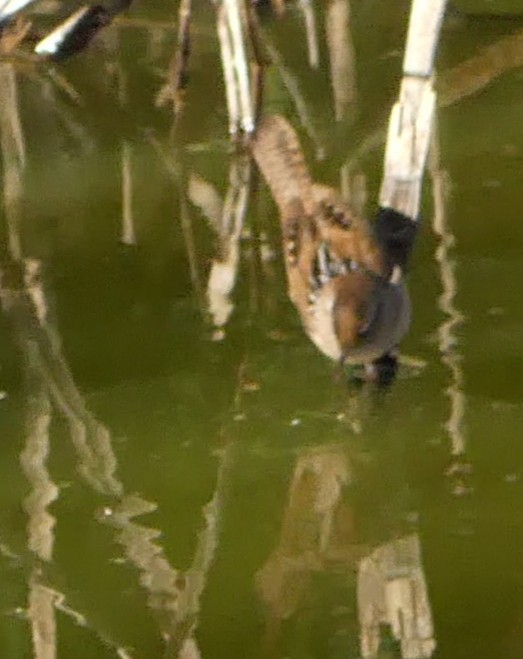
x: 321, y: 534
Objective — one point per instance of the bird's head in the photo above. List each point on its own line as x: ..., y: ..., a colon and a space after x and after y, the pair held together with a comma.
x: 370, y: 314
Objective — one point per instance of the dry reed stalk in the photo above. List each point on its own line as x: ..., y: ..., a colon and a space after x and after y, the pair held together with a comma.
x: 238, y: 28
x: 190, y: 246
x: 342, y: 59
x: 260, y: 63
x: 75, y: 128
x: 224, y: 37
x: 128, y: 231
x: 13, y: 155
x: 311, y: 31
x: 206, y: 197
x: 411, y: 119
x: 178, y: 68
x: 233, y: 31
x: 128, y: 235
x: 10, y: 10
x: 13, y: 36
x: 353, y: 188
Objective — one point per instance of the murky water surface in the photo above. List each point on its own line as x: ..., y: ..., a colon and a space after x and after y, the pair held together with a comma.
x: 170, y: 489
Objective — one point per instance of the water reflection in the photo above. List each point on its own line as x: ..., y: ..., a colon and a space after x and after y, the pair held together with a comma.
x: 227, y: 221
x: 51, y: 389
x: 323, y: 537
x: 172, y: 594
x: 293, y: 529
x: 459, y: 470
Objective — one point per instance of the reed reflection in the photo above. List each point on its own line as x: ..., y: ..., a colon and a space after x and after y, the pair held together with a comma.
x: 51, y: 392
x: 227, y: 222
x: 448, y: 340
x: 172, y: 594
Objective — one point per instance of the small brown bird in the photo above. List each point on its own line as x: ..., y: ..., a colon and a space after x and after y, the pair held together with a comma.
x: 344, y: 278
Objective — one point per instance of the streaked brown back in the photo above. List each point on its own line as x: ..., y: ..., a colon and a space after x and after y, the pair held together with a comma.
x: 278, y: 154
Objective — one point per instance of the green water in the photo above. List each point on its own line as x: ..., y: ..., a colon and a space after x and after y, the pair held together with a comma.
x: 169, y: 495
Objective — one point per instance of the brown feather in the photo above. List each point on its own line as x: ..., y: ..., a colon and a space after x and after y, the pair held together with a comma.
x: 312, y: 216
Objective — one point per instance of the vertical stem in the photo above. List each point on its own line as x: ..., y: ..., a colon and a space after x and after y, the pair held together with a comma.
x: 232, y: 26
x: 422, y: 38
x: 128, y: 224
x: 13, y: 154
x: 236, y: 23
x: 180, y: 60
x: 128, y: 232
x: 307, y: 9
x: 412, y: 116
x: 260, y: 61
x: 342, y: 58
x: 228, y: 70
